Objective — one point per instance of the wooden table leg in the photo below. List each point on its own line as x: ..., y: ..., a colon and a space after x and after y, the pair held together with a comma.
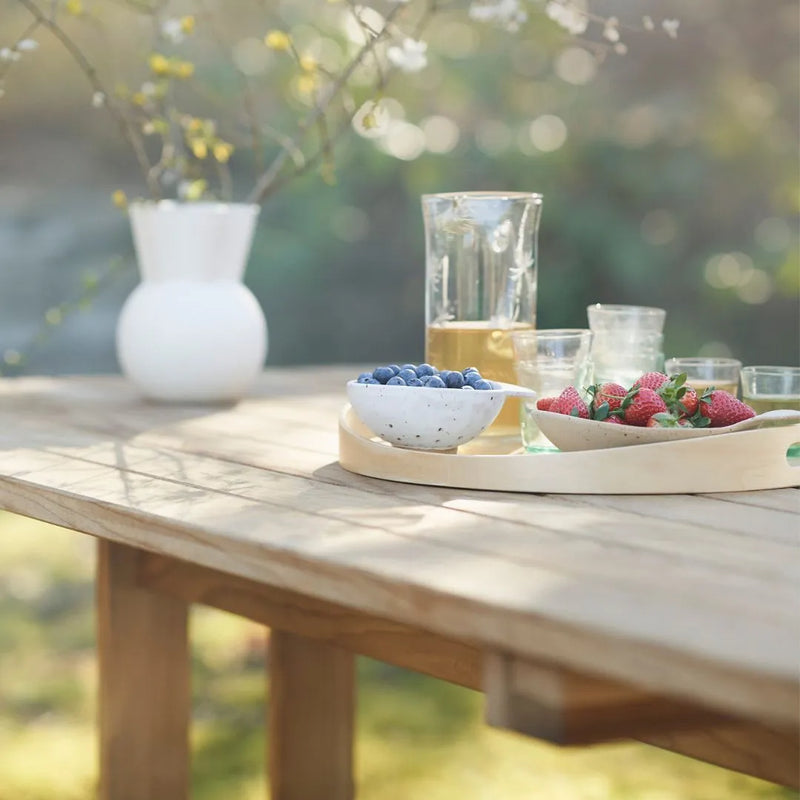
x: 144, y: 684
x: 311, y: 707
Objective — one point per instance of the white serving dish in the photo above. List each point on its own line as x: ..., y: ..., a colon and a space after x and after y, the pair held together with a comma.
x: 569, y: 433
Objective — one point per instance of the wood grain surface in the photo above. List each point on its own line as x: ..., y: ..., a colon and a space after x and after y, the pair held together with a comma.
x: 696, y: 597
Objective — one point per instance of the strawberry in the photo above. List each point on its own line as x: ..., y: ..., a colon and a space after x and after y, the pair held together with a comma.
x: 570, y: 402
x: 651, y: 380
x: 613, y: 420
x: 689, y: 401
x: 544, y: 403
x: 667, y: 421
x: 721, y: 408
x: 639, y: 405
x: 611, y: 393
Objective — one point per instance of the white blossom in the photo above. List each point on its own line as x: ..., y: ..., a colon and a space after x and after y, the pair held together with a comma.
x: 98, y: 100
x: 568, y: 16
x: 27, y: 44
x: 507, y: 13
x: 172, y: 30
x: 670, y: 27
x: 610, y: 29
x: 371, y: 120
x: 648, y: 24
x: 408, y: 56
x: 7, y: 54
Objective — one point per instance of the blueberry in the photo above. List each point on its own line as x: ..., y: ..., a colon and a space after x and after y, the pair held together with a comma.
x: 372, y: 380
x: 394, y: 368
x: 467, y: 386
x: 382, y: 374
x: 362, y: 378
x: 412, y: 367
x: 414, y: 382
x: 425, y: 379
x: 469, y: 369
x: 482, y: 384
x: 395, y: 381
x: 406, y: 374
x: 455, y: 380
x: 425, y: 369
x: 435, y: 382
x: 472, y: 378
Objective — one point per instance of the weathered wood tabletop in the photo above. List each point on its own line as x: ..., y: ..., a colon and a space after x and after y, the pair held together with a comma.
x: 671, y: 619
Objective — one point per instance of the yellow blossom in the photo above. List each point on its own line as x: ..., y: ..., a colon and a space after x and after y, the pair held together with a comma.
x: 222, y: 152
x: 306, y: 84
x: 308, y: 63
x: 187, y: 24
x: 119, y: 199
x: 139, y: 98
x: 277, y: 40
x: 183, y: 69
x: 74, y: 7
x: 159, y: 65
x: 199, y: 148
x: 53, y: 316
x: 194, y: 125
x: 194, y: 190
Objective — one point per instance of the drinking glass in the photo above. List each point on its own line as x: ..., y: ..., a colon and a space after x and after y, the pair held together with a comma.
x: 702, y: 373
x: 480, y: 269
x: 548, y: 361
x: 768, y: 388
x: 628, y: 341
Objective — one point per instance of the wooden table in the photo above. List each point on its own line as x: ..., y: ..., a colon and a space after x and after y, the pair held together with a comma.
x: 674, y: 620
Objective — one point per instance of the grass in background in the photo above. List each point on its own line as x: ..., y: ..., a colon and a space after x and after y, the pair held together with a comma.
x: 417, y: 737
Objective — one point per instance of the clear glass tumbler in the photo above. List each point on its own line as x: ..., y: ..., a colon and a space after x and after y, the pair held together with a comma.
x: 702, y: 373
x: 548, y: 361
x: 628, y: 341
x: 769, y: 388
x: 480, y: 265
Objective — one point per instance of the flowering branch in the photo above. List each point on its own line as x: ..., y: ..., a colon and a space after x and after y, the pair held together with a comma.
x: 264, y: 185
x: 124, y: 124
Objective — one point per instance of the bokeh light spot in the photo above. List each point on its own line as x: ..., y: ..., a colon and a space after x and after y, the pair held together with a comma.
x: 756, y: 289
x: 403, y: 140
x: 441, y: 134
x: 773, y: 234
x: 548, y: 133
x: 576, y: 66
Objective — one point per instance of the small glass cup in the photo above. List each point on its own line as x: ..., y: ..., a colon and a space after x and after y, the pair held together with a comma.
x: 768, y: 388
x: 702, y: 373
x: 628, y: 341
x: 548, y: 361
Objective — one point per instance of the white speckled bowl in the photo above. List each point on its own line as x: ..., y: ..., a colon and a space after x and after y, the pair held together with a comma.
x: 429, y: 419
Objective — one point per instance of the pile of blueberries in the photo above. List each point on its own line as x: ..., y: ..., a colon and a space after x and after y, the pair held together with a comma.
x: 426, y: 375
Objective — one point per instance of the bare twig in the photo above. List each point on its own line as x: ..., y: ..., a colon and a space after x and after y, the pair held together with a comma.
x: 124, y: 124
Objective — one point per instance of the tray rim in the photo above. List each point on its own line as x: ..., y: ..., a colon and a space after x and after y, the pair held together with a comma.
x: 740, y: 461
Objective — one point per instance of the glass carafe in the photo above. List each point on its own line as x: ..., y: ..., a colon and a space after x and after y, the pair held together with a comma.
x: 480, y: 265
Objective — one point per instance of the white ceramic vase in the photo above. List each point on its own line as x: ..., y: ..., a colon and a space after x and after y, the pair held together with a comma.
x: 191, y: 331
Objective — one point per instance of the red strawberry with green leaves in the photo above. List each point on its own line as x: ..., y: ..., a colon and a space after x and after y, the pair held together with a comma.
x: 611, y: 393
x: 681, y: 399
x: 570, y: 402
x: 667, y: 421
x: 639, y: 405
x: 651, y: 380
x: 721, y: 409
x: 544, y: 403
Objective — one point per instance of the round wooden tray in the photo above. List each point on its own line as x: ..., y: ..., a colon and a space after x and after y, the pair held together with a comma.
x: 735, y: 462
